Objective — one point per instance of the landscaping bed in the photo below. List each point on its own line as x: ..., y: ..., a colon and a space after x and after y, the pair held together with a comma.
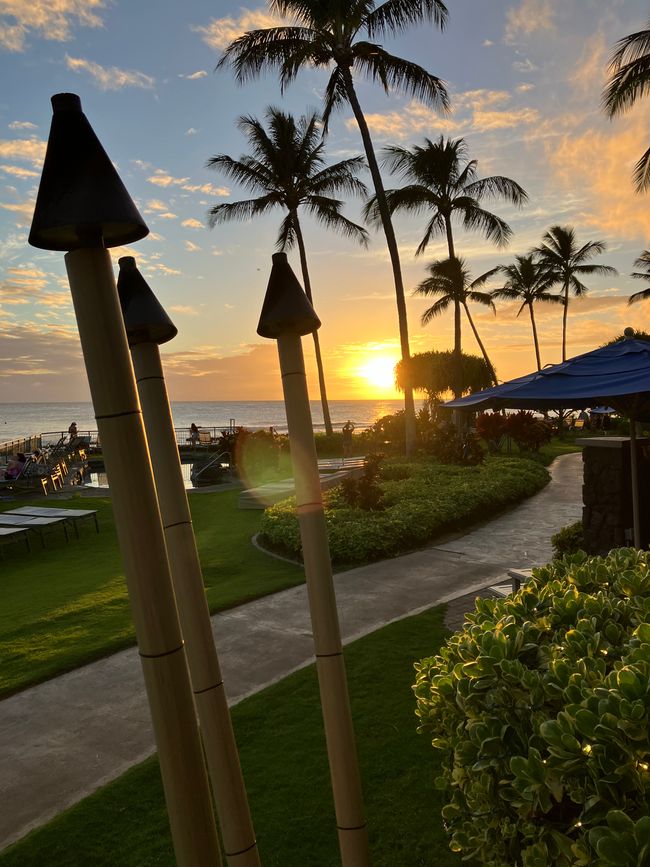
x: 421, y: 499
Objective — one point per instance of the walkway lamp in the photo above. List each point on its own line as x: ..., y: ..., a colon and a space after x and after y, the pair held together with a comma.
x: 287, y: 315
x: 147, y: 327
x: 82, y: 207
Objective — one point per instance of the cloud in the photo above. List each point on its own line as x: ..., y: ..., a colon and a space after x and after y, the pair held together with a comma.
x: 159, y: 268
x: 191, y: 247
x: 192, y: 224
x: 529, y: 17
x: 28, y: 149
x: 22, y: 124
x: 191, y: 131
x: 524, y: 88
x: 487, y: 43
x: 194, y: 76
x: 19, y: 172
x: 110, y: 78
x: 484, y: 121
x: 155, y: 205
x: 524, y: 65
x: 220, y: 32
x: 183, y: 310
x: 168, y: 216
x: 23, y: 210
x: 588, y: 75
x: 206, y: 189
x: 48, y: 19
x: 161, y: 178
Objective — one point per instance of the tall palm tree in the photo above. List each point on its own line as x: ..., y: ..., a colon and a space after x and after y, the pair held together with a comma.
x: 338, y: 35
x: 642, y: 262
x: 443, y: 183
x: 629, y: 71
x: 451, y: 282
x: 559, y: 253
x: 287, y: 169
x: 529, y: 282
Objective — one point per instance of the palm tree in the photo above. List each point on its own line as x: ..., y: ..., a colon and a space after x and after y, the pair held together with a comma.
x: 642, y: 262
x: 328, y: 34
x: 450, y: 281
x: 527, y: 281
x: 443, y: 183
x: 288, y: 170
x: 629, y: 80
x: 559, y: 253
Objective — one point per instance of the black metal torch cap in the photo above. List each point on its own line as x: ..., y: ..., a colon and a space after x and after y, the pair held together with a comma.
x: 286, y: 308
x: 145, y: 319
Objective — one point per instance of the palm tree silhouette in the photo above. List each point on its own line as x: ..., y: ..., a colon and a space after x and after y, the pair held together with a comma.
x: 560, y: 255
x: 450, y: 281
x: 287, y: 169
x: 527, y: 281
x: 642, y: 262
x: 443, y: 183
x: 629, y: 71
x: 328, y: 35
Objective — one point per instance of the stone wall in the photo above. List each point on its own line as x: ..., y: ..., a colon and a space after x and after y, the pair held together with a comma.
x: 607, y: 493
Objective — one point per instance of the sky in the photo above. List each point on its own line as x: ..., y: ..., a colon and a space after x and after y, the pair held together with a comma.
x: 525, y: 79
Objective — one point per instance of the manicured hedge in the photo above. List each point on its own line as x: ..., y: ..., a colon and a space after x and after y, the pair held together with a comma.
x: 540, y: 710
x: 421, y: 499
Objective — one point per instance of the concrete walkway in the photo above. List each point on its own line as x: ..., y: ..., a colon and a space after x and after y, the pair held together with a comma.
x: 63, y: 739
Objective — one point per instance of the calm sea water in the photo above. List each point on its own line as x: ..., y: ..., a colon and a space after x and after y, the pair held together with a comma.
x: 22, y: 419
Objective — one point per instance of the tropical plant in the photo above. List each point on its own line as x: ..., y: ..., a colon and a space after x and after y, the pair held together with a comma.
x: 443, y: 183
x: 450, y: 281
x: 560, y: 254
x: 642, y: 262
x: 493, y: 428
x: 527, y: 281
x: 527, y: 431
x: 540, y: 708
x: 330, y: 35
x: 629, y: 71
x: 287, y: 169
x: 434, y: 373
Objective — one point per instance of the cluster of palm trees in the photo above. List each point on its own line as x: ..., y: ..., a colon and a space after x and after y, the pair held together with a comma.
x: 286, y: 168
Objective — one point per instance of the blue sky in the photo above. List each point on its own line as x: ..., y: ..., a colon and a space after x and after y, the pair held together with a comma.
x: 525, y: 77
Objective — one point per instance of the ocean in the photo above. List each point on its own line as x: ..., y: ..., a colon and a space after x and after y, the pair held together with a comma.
x: 22, y: 419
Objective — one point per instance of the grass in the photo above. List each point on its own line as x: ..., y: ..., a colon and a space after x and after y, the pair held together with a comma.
x: 66, y: 605
x: 283, y: 756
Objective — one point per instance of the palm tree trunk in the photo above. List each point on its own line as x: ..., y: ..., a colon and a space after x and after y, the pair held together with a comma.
x: 391, y: 242
x: 458, y: 340
x: 535, y: 340
x: 319, y: 361
x: 481, y: 347
x: 564, y: 318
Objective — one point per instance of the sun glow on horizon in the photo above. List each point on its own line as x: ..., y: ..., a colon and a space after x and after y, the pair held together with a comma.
x: 379, y: 372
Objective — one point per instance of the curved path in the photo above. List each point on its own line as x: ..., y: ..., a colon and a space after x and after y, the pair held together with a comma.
x: 62, y: 739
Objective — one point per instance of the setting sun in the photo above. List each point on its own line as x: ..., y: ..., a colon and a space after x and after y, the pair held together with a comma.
x: 379, y: 371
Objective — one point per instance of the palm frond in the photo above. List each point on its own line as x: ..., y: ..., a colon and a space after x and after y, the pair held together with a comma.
x: 244, y: 210
x: 401, y: 75
x: 639, y: 296
x: 641, y: 176
x: 394, y: 16
x: 492, y: 227
x: 287, y: 233
x: 435, y: 310
x: 497, y: 187
x: 629, y: 68
x: 435, y: 228
x: 327, y: 212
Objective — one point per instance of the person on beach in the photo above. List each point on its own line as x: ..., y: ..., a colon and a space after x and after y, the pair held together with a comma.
x: 72, y: 431
x: 194, y: 434
x: 346, y: 431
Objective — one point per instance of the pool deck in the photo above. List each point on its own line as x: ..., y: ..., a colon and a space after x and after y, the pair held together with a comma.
x: 63, y: 739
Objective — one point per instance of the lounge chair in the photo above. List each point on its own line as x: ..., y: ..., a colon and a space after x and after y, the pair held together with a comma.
x: 38, y: 525
x: 13, y: 534
x: 73, y: 516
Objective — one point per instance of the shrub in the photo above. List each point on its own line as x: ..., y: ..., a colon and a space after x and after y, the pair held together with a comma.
x: 568, y: 540
x: 432, y: 498
x: 450, y: 446
x: 365, y: 493
x: 528, y: 432
x: 541, y: 708
x: 492, y: 427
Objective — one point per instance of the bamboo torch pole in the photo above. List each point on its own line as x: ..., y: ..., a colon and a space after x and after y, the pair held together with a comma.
x: 82, y: 206
x: 147, y: 326
x: 286, y: 316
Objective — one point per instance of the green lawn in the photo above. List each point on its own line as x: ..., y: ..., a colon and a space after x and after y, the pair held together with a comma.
x: 283, y: 755
x: 66, y: 605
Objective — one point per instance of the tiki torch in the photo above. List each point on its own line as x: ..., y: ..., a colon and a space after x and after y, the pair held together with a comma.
x: 148, y: 326
x: 286, y: 316
x: 82, y: 207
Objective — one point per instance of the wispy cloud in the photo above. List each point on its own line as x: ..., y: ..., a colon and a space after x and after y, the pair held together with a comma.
x: 183, y: 310
x: 22, y: 124
x: 220, y: 32
x: 161, y: 178
x: 529, y: 17
x: 111, y: 77
x: 191, y: 247
x: 30, y: 150
x: 194, y: 76
x: 47, y: 19
x: 192, y: 224
x: 18, y: 171
x: 156, y: 205
x: 206, y: 189
x: 191, y: 131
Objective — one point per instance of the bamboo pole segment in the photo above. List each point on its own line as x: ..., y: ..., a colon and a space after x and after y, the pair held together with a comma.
x: 147, y: 325
x: 83, y: 207
x: 286, y: 316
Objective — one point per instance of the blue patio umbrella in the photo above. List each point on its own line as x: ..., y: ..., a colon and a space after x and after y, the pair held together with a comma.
x: 615, y: 376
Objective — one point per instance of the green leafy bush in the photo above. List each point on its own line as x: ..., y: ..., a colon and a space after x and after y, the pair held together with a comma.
x: 527, y: 431
x: 492, y: 426
x: 541, y: 707
x: 568, y: 540
x: 450, y: 446
x: 365, y: 493
x: 432, y: 498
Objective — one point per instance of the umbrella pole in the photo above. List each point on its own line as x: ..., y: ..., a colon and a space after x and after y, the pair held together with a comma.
x: 330, y: 666
x: 634, y: 469
x: 142, y: 545
x: 207, y: 683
